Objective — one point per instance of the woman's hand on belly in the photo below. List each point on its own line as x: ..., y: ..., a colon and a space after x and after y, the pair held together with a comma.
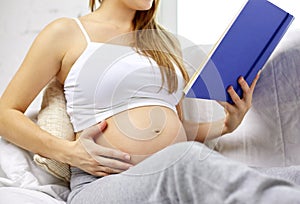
x: 142, y: 131
x: 96, y: 159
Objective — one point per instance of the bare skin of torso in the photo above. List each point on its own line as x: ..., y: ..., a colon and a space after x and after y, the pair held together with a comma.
x: 140, y: 131
x: 134, y: 132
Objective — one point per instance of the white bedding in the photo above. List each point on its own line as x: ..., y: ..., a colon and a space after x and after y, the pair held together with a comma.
x: 15, y: 195
x: 18, y: 171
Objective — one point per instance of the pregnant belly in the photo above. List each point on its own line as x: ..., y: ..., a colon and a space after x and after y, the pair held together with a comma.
x: 142, y: 131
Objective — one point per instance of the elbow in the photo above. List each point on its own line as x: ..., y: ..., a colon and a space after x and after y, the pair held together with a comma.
x: 4, y: 111
x: 192, y: 131
x: 2, y: 116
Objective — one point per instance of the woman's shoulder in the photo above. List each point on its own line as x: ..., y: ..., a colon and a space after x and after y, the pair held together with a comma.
x: 61, y: 26
x: 60, y: 32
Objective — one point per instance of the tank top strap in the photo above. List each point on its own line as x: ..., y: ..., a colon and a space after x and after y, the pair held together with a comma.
x: 86, y: 35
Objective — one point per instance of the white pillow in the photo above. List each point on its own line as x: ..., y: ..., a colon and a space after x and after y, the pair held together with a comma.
x: 54, y: 119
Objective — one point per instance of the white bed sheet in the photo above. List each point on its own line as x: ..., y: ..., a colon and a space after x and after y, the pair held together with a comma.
x: 14, y: 195
x: 18, y: 171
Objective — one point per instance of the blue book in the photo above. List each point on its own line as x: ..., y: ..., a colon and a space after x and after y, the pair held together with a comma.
x: 243, y: 50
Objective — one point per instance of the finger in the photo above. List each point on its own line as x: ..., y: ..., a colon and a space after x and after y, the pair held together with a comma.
x: 244, y: 85
x: 234, y: 96
x: 113, y: 163
x: 90, y: 132
x: 99, y: 170
x: 247, y: 92
x: 94, y: 130
x: 111, y: 153
x: 254, y: 82
x: 105, y: 171
x: 99, y: 173
x: 102, y: 125
x: 108, y: 170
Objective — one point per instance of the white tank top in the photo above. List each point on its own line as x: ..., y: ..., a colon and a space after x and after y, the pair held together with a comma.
x: 108, y: 78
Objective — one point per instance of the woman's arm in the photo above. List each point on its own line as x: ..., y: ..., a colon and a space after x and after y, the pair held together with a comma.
x: 234, y: 115
x: 42, y: 63
x: 203, y: 131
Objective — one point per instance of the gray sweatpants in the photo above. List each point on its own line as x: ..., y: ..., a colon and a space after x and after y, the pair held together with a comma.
x: 186, y: 172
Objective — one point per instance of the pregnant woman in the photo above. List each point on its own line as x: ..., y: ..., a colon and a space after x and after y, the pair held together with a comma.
x: 123, y: 70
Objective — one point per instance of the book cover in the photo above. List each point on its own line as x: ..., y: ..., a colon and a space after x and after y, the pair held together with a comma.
x: 243, y: 50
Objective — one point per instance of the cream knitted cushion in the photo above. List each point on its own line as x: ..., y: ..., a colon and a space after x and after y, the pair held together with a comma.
x: 54, y: 119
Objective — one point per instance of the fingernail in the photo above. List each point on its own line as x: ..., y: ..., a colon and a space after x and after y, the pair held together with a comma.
x: 259, y: 72
x: 127, y: 157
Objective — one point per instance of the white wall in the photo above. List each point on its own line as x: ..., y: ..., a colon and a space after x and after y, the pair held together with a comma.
x: 203, y: 21
x: 167, y: 15
x: 20, y: 22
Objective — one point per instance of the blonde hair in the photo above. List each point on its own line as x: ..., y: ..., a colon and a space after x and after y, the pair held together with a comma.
x: 92, y: 4
x: 152, y: 40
